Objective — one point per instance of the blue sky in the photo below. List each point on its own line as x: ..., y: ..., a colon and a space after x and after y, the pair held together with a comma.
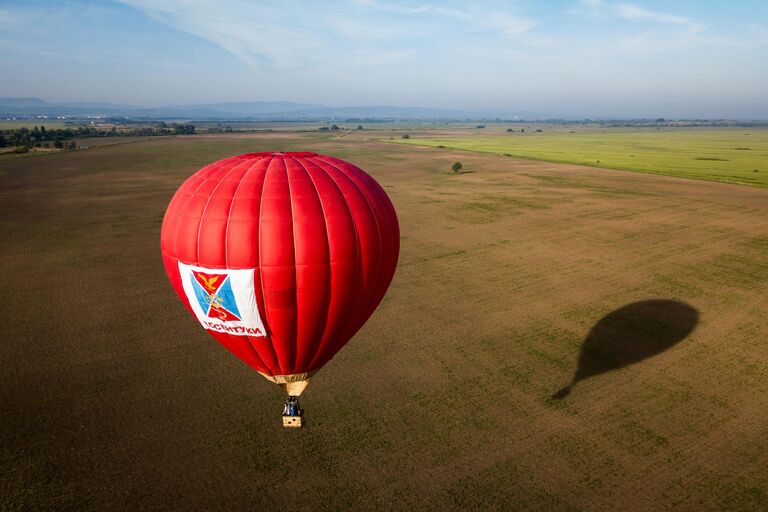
x: 569, y: 57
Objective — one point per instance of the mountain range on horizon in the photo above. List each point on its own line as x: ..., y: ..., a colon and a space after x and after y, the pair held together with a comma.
x: 32, y: 107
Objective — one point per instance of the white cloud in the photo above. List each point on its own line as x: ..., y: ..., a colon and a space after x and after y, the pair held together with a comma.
x: 391, y: 7
x: 247, y: 30
x: 635, y: 13
x: 654, y: 31
x: 297, y: 34
x: 506, y: 23
x: 592, y: 4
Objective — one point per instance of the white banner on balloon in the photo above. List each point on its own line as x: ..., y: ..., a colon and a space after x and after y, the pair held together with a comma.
x: 223, y: 300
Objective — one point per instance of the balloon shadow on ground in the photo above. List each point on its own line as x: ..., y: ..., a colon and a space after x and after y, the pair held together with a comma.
x: 632, y: 334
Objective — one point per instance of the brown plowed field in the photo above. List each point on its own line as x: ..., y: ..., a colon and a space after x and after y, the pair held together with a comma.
x: 513, y: 278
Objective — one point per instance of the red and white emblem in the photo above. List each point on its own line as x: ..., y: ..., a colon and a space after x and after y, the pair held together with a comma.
x: 223, y: 300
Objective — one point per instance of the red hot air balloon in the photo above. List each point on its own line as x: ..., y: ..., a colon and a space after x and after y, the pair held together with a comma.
x: 281, y: 257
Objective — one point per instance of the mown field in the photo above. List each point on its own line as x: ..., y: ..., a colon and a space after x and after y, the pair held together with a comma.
x: 8, y: 124
x: 733, y: 155
x: 516, y: 278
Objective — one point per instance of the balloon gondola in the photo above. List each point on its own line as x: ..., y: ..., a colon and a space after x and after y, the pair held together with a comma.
x: 281, y: 257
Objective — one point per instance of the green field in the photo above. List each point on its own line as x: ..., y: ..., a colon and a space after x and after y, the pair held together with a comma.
x: 6, y: 124
x: 738, y: 155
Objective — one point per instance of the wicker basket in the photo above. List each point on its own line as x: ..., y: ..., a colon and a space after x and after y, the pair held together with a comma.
x: 294, y: 421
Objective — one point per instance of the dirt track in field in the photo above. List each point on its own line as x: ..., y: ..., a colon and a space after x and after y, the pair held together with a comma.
x: 113, y: 398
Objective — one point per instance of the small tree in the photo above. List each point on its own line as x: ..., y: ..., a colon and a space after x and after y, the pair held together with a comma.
x: 457, y: 167
x: 359, y: 127
x: 406, y: 136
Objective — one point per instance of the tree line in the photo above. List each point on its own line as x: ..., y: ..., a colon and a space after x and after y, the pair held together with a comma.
x: 56, y: 137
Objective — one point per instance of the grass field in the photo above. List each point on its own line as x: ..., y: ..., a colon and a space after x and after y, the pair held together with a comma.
x: 513, y: 280
x: 734, y: 155
x: 6, y: 124
x: 91, y: 143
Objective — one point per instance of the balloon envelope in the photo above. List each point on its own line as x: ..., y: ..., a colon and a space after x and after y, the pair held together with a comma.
x: 281, y: 257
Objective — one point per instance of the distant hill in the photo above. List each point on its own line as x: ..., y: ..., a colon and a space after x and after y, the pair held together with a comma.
x: 97, y: 105
x: 245, y: 110
x: 22, y: 102
x: 386, y: 112
x: 248, y: 108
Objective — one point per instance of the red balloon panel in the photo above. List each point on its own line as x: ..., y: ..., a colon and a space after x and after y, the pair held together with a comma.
x: 282, y: 257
